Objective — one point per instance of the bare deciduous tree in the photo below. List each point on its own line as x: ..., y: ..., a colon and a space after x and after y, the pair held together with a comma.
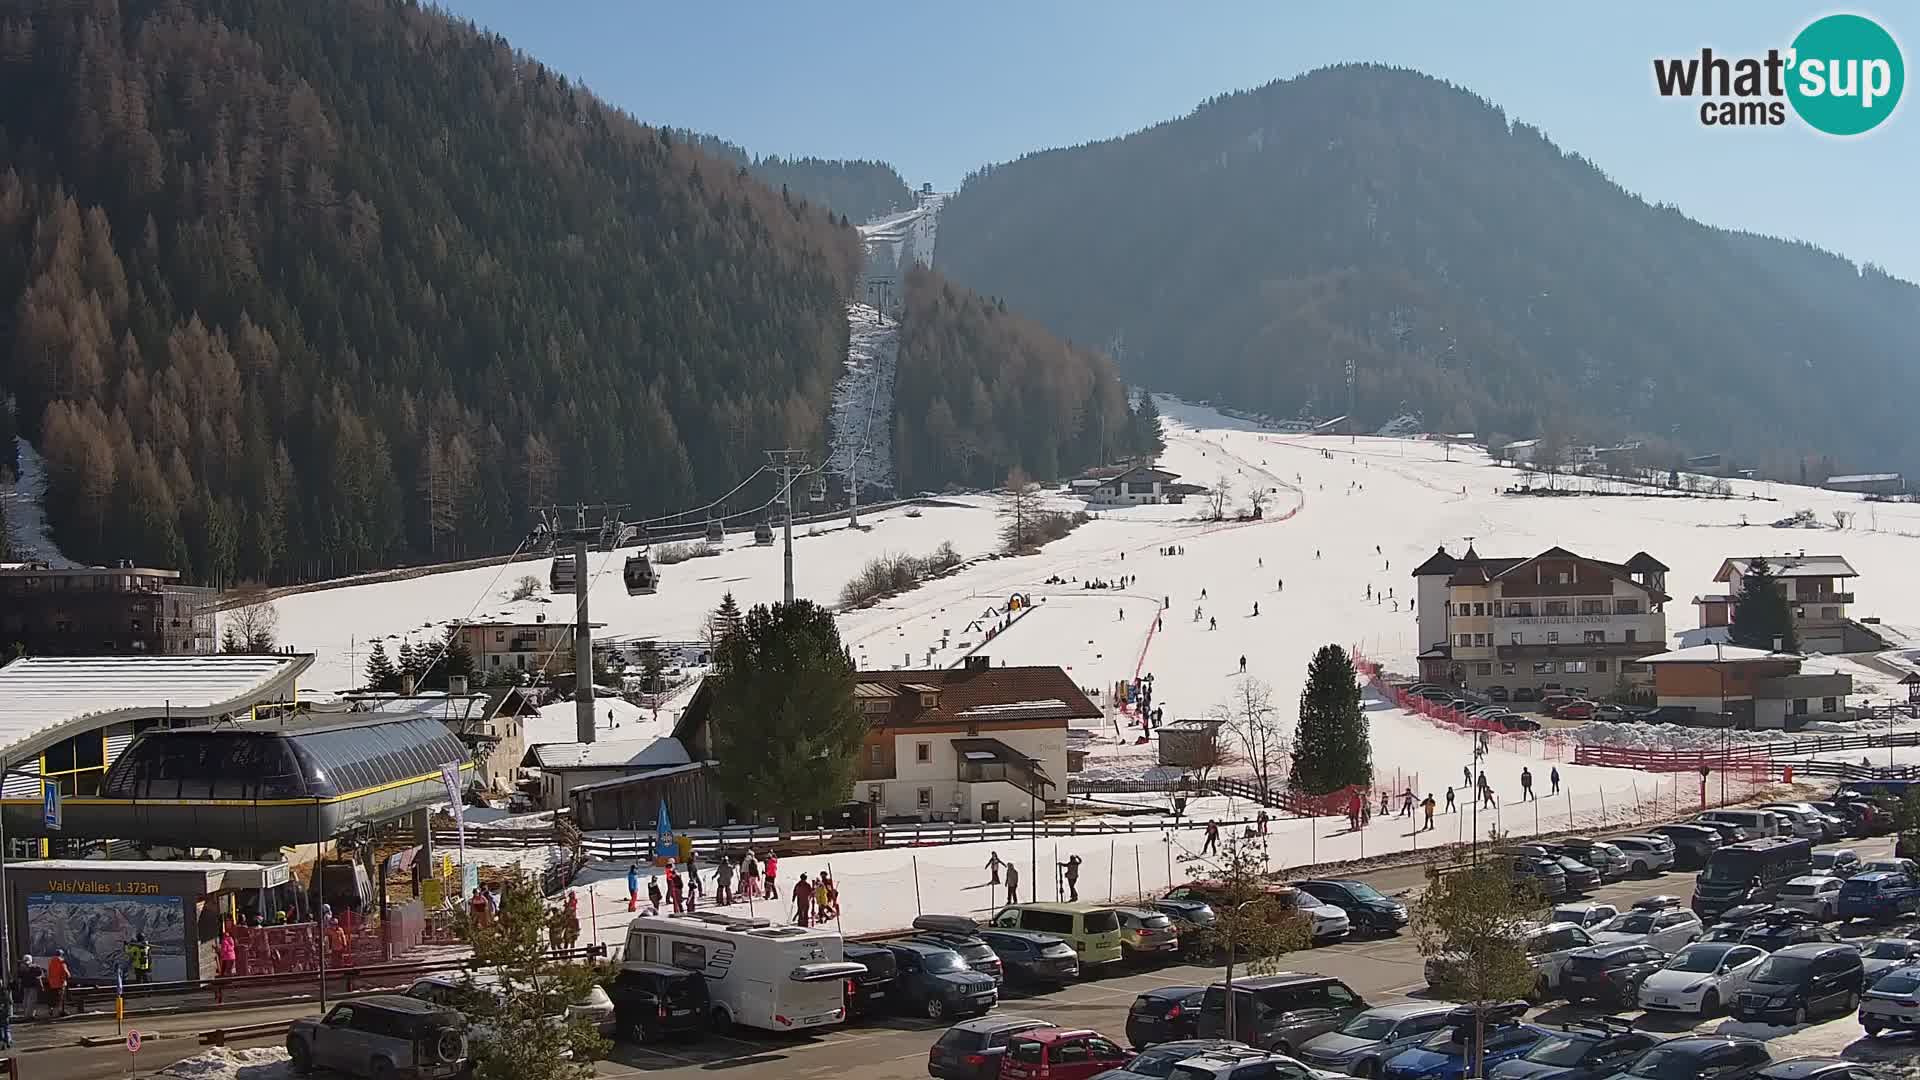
x: 1217, y: 498
x: 251, y: 629
x: 526, y: 588
x: 1259, y: 495
x: 1021, y: 507
x: 1256, y: 729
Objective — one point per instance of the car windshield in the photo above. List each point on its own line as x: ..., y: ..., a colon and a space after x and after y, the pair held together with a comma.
x: 1797, y: 890
x: 1823, y: 860
x: 1782, y: 969
x: 1632, y: 922
x: 1559, y: 1050
x: 1900, y: 982
x: 1369, y: 1026
x: 1661, y: 1063
x: 943, y: 963
x: 1700, y: 960
x: 1576, y: 914
x: 1360, y: 890
x: 1157, y: 1064
x: 1890, y: 950
x: 1448, y: 1040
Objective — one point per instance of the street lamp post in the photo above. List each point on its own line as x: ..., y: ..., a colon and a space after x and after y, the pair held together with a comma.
x: 319, y: 920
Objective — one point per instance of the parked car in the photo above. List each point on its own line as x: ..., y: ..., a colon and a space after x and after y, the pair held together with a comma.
x: 1281, y: 1011
x: 1544, y: 875
x: 1033, y: 959
x: 1832, y: 826
x: 1580, y: 877
x: 1328, y: 922
x: 1190, y: 915
x: 1369, y: 911
x: 1899, y: 865
x: 1722, y: 1057
x: 1780, y: 928
x: 1147, y: 934
x: 935, y: 981
x: 1552, y: 703
x: 1804, y: 822
x: 1575, y: 710
x: 385, y: 1035
x: 972, y: 1049
x: 1878, y: 894
x: 1246, y: 1064
x: 1815, y: 1068
x: 1646, y: 854
x: 961, y: 934
x: 1700, y: 979
x: 1816, y: 895
x: 1092, y: 929
x: 654, y: 1001
x: 1165, y: 1014
x: 1729, y: 833
x: 1802, y: 981
x: 594, y: 1006
x: 1524, y: 693
x: 1497, y: 694
x: 1609, y: 973
x: 1607, y: 860
x: 1548, y: 947
x: 1444, y: 1054
x: 1359, y: 1046
x: 1516, y: 722
x: 871, y: 992
x: 1582, y: 1050
x: 1158, y: 1062
x: 1060, y: 1054
x: 1893, y: 1001
x: 1691, y: 843
x: 1751, y: 824
x: 1583, y: 913
x: 1840, y: 862
x: 1667, y: 930
x: 1735, y: 921
x: 1883, y: 954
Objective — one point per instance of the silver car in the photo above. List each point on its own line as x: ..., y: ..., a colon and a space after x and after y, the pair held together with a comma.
x: 1645, y: 854
x: 1362, y: 1043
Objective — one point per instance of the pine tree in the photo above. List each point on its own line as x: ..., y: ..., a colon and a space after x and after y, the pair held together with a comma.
x: 1331, y: 748
x: 1147, y: 436
x: 723, y: 623
x: 1761, y: 614
x: 381, y: 674
x: 785, y: 728
x: 652, y: 664
x: 408, y: 664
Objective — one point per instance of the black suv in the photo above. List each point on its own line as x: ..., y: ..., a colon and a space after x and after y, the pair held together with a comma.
x: 385, y: 1036
x: 934, y: 980
x: 1033, y: 958
x: 1368, y: 909
x: 1802, y: 981
x: 962, y: 935
x: 872, y: 991
x: 1722, y: 1057
x: 1279, y: 1012
x: 1782, y: 927
x: 1610, y: 974
x: 1582, y: 1050
x: 653, y: 1000
x: 1691, y: 844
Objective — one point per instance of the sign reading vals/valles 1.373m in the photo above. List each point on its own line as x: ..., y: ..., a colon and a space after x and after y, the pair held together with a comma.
x: 105, y: 888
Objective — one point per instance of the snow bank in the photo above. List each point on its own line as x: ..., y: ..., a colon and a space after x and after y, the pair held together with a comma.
x: 220, y: 1063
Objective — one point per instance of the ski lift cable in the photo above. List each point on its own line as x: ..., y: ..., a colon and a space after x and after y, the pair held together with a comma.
x: 709, y: 506
x: 441, y: 649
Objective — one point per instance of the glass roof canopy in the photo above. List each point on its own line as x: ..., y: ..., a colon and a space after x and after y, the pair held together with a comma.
x: 323, y: 758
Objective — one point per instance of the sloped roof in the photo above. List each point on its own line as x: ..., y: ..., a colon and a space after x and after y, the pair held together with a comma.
x: 1437, y: 563
x: 614, y: 754
x: 1142, y: 472
x: 986, y: 694
x: 42, y: 696
x: 1473, y: 570
x: 1716, y: 654
x: 1643, y: 563
x: 1789, y: 566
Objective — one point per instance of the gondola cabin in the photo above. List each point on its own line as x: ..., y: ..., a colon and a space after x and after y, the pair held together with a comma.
x: 716, y: 534
x: 763, y: 534
x: 642, y: 578
x: 562, y: 577
x: 819, y: 491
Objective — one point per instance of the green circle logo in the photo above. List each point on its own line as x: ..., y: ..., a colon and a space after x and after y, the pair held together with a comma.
x: 1847, y: 75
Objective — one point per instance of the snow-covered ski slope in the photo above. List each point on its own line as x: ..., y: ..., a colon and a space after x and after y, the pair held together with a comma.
x: 861, y: 421
x: 24, y: 503
x: 898, y: 240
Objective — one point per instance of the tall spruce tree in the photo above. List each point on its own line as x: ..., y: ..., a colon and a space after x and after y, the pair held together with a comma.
x: 381, y: 674
x: 785, y: 728
x: 1331, y: 748
x: 1761, y: 613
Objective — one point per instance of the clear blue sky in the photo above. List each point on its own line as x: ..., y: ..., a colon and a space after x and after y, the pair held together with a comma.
x: 940, y: 89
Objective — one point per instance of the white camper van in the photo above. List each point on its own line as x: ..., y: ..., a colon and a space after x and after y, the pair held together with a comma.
x: 780, y: 978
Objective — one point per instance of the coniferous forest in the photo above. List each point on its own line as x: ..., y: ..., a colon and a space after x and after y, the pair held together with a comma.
x: 293, y: 289
x: 1458, y: 262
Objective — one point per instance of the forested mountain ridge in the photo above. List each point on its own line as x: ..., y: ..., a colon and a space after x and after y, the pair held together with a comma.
x: 291, y: 289
x: 980, y: 391
x: 859, y: 189
x: 1465, y: 266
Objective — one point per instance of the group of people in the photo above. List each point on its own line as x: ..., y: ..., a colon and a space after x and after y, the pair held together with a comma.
x: 746, y: 877
x: 32, y: 983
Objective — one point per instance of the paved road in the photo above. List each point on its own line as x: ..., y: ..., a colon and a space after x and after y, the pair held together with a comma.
x: 887, y: 1050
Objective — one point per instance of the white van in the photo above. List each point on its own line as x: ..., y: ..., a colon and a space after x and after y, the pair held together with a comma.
x: 779, y: 978
x: 1753, y: 824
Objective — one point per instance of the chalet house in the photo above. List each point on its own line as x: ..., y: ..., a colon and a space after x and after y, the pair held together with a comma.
x: 1139, y: 486
x: 973, y: 743
x: 499, y: 646
x: 1747, y: 688
x: 1818, y: 590
x: 1552, y: 620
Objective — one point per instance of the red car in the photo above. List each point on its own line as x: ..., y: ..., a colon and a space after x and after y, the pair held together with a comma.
x: 1575, y: 710
x: 1060, y: 1054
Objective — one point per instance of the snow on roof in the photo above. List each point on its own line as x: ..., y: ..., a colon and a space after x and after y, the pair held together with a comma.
x: 45, y: 693
x: 1010, y: 707
x: 614, y: 754
x: 1864, y: 478
x: 650, y: 774
x: 1791, y: 566
x: 1715, y: 654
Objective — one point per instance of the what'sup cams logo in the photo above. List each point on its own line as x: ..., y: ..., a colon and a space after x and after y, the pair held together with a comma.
x: 1842, y: 76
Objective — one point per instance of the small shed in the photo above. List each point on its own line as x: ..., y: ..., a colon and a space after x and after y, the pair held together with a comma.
x: 1191, y: 744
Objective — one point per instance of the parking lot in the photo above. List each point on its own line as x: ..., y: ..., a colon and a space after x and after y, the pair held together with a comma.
x: 1379, y: 970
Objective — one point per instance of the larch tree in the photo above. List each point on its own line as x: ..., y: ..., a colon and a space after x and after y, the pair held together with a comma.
x: 1331, y: 745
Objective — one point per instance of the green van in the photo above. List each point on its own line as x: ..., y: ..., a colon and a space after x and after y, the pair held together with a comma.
x: 1092, y: 929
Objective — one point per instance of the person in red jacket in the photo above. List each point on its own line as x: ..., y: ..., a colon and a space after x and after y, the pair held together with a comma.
x: 58, y: 976
x: 773, y: 869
